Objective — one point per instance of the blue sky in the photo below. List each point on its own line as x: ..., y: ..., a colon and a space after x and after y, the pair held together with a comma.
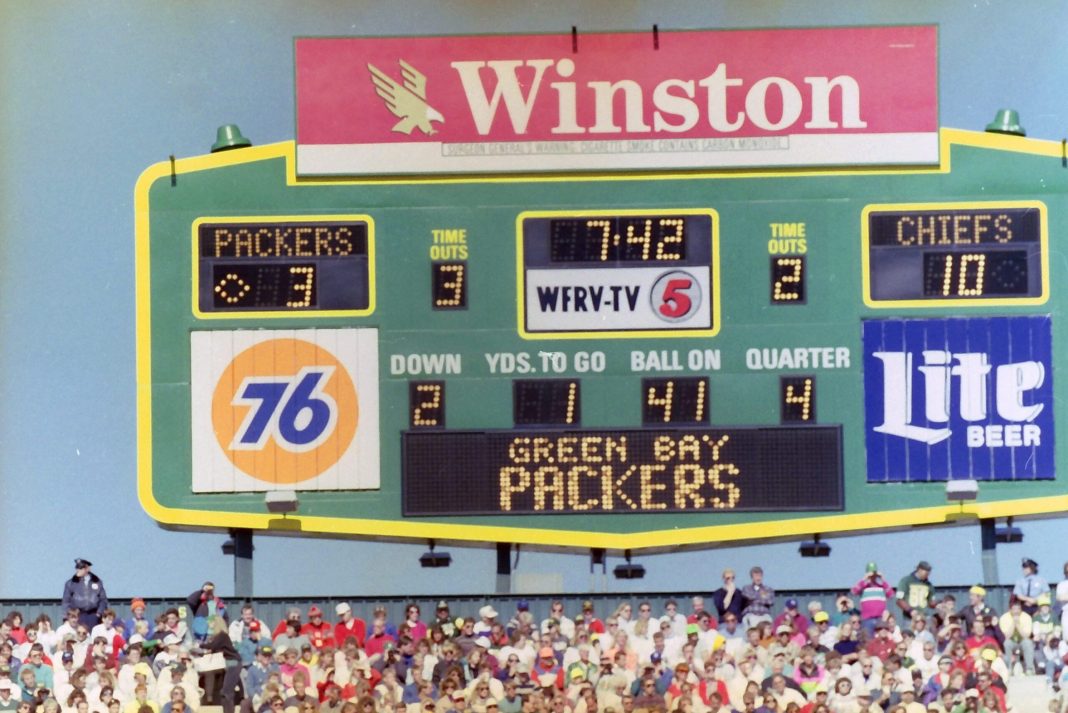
x: 93, y: 93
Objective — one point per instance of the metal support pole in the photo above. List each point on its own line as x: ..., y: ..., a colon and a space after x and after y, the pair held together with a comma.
x: 242, y: 563
x: 988, y: 536
x: 504, y: 568
x: 598, y: 582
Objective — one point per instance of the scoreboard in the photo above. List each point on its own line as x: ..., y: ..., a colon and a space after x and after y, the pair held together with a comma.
x: 618, y: 360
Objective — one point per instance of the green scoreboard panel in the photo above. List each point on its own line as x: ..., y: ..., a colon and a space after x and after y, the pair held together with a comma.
x: 618, y: 361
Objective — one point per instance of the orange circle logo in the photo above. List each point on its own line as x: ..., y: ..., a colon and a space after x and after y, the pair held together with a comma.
x: 284, y: 411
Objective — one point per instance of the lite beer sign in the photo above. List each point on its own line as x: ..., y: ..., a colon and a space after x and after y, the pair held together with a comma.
x: 615, y: 101
x: 959, y: 398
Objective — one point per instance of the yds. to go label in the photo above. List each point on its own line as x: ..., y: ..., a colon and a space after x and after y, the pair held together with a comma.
x: 285, y: 409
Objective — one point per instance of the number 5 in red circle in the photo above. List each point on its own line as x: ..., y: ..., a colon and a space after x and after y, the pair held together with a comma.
x: 676, y: 296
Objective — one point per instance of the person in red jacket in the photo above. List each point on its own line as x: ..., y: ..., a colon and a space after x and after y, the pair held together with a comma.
x: 881, y: 645
x: 319, y: 632
x: 980, y: 639
x: 292, y: 614
x: 349, y: 626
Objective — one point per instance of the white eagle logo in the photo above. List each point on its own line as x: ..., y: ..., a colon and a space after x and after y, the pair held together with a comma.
x: 408, y: 100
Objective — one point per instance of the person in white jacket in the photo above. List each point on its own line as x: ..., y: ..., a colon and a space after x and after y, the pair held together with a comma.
x: 1015, y: 624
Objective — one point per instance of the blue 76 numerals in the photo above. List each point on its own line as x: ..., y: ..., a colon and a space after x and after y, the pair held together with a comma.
x: 293, y: 411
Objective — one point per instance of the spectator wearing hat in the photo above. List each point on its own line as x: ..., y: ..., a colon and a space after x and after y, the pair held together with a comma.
x: 1043, y: 625
x: 915, y: 590
x: 792, y: 617
x: 137, y: 615
x: 784, y: 644
x: 546, y: 663
x: 760, y: 598
x: 828, y: 633
x: 257, y: 674
x: 1030, y: 586
x: 444, y: 620
x: 349, y: 626
x: 521, y: 618
x: 320, y: 633
x: 594, y: 626
x: 253, y: 640
x: 874, y: 592
x: 977, y: 606
x: 85, y: 592
x: 487, y: 618
x: 1016, y: 626
x: 8, y: 700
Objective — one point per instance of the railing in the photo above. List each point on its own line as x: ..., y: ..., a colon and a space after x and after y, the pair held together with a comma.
x: 273, y: 609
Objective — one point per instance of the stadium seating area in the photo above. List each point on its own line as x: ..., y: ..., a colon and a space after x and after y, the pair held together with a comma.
x: 883, y: 646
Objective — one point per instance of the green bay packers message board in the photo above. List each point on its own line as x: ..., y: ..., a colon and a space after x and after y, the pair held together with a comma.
x: 601, y: 360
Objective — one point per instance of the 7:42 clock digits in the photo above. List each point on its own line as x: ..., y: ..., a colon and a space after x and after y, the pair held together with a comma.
x: 618, y: 239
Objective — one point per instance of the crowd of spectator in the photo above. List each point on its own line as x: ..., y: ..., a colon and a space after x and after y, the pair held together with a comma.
x: 883, y: 648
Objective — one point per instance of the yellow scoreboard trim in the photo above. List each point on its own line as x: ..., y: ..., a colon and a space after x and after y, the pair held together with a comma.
x: 287, y: 314
x: 418, y: 529
x: 865, y: 256
x: 666, y: 333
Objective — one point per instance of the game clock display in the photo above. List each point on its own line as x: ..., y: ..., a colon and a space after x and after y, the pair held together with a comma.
x: 618, y: 273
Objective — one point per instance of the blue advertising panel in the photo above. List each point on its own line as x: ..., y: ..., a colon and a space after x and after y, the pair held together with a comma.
x: 958, y: 398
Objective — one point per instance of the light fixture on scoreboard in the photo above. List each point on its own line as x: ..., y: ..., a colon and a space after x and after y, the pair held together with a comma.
x: 629, y: 570
x: 815, y: 548
x: 434, y: 560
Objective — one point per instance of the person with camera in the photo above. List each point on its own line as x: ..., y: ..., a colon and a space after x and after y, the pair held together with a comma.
x: 874, y: 592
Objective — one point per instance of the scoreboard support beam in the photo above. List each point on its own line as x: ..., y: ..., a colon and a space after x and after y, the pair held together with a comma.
x: 504, y: 568
x: 988, y: 537
x: 242, y: 563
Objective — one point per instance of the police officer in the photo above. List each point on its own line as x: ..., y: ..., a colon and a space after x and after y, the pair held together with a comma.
x: 85, y: 592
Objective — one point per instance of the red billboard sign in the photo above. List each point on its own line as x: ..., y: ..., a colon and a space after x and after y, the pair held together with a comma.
x: 617, y: 101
